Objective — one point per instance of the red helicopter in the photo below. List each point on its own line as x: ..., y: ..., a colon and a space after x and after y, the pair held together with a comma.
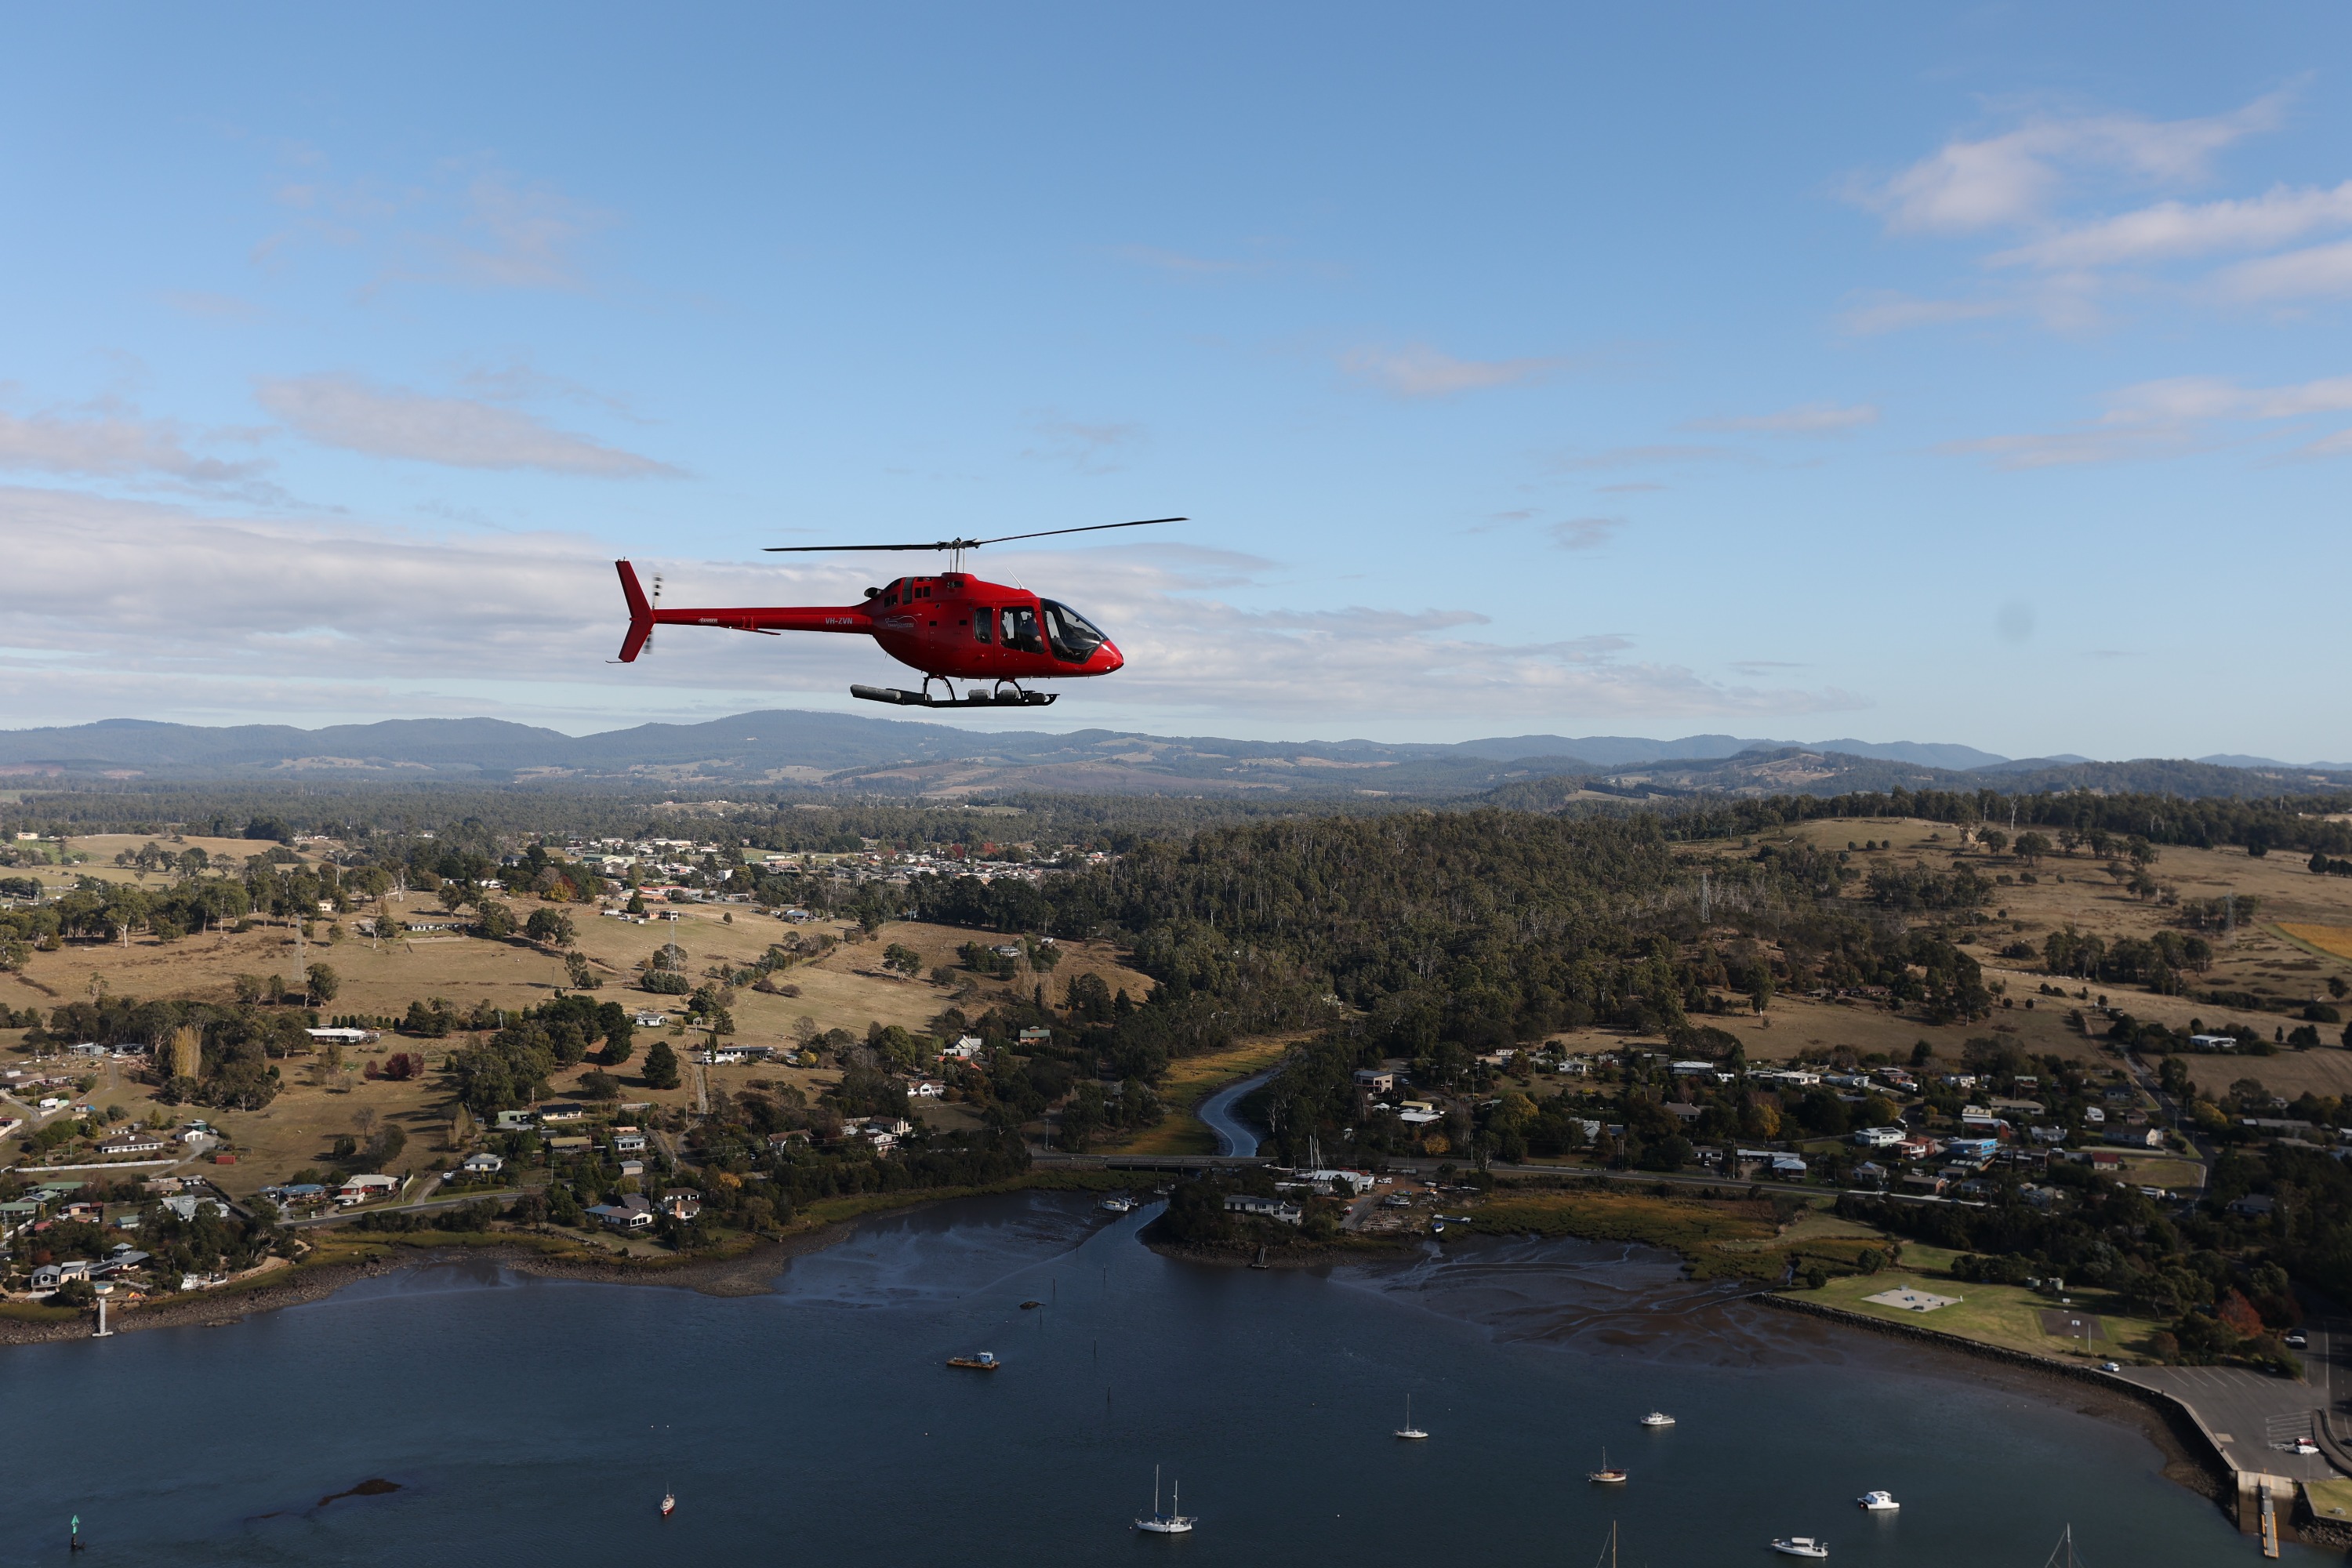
x: 951, y: 626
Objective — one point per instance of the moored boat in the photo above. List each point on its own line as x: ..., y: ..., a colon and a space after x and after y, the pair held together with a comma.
x: 983, y: 1362
x: 1801, y: 1546
x: 1608, y: 1475
x: 1878, y: 1503
x: 669, y: 1503
x: 1409, y: 1430
x: 1657, y: 1418
x: 1175, y: 1521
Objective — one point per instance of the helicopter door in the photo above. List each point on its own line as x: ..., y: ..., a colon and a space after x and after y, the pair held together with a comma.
x: 1020, y: 627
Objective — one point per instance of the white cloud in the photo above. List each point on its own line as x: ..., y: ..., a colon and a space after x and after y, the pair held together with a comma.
x: 2037, y: 178
x: 467, y: 223
x: 1162, y: 261
x: 2320, y: 270
x: 2172, y: 230
x: 1805, y: 420
x: 2168, y: 418
x: 1417, y: 370
x: 1585, y: 532
x: 2014, y: 177
x: 518, y: 236
x: 1090, y: 448
x: 394, y: 422
x: 1656, y: 455
x: 153, y: 611
x: 106, y: 440
x: 1890, y: 312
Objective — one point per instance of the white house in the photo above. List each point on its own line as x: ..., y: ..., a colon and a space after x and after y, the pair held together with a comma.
x: 365, y: 1189
x: 927, y: 1089
x: 1879, y: 1137
x: 482, y: 1164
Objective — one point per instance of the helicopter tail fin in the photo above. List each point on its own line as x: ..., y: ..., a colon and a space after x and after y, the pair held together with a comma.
x: 641, y: 614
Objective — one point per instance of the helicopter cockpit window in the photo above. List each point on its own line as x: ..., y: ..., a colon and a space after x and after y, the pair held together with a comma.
x: 1074, y: 638
x: 1020, y: 627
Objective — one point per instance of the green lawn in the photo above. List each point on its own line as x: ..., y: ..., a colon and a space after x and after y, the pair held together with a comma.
x: 2006, y: 1315
x: 1191, y: 1081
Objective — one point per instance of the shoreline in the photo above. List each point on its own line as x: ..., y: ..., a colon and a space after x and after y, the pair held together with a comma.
x: 2189, y: 1460
x: 747, y: 1273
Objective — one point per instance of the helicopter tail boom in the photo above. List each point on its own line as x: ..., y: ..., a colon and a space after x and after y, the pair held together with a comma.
x: 768, y: 618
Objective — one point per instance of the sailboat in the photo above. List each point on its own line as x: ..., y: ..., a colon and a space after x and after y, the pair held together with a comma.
x: 2063, y: 1554
x: 1176, y: 1522
x: 1606, y: 1476
x: 1610, y: 1551
x: 1409, y: 1430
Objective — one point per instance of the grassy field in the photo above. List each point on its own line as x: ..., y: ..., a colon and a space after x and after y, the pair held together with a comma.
x: 847, y: 988
x: 1717, y: 1238
x: 2007, y: 1315
x: 1191, y: 1082
x: 2328, y: 941
x: 2330, y: 1498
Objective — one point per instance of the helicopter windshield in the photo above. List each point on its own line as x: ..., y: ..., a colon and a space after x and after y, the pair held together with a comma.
x: 1074, y: 637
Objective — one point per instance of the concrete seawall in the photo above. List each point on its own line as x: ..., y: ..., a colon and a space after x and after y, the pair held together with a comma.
x: 2222, y: 1482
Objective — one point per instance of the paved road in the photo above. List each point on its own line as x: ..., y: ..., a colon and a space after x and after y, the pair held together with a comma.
x: 1235, y: 1136
x: 2250, y: 1414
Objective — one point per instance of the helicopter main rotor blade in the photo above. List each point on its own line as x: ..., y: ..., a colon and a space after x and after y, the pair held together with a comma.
x: 965, y: 544
x: 1092, y: 527
x: 805, y: 549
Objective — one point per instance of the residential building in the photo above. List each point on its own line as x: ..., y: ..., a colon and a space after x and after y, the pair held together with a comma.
x: 360, y: 1189
x: 631, y: 1212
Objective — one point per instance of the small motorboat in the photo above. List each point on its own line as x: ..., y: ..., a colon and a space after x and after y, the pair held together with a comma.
x: 1878, y: 1503
x: 1607, y: 1475
x: 983, y: 1362
x: 1409, y: 1431
x: 669, y: 1503
x: 1175, y: 1521
x: 1119, y: 1203
x: 1801, y: 1546
x: 1657, y: 1418
x: 1031, y: 1306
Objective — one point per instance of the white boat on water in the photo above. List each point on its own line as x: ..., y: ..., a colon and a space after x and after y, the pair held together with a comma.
x: 1174, y: 1522
x: 1878, y: 1503
x: 1118, y: 1204
x: 1409, y: 1430
x: 1657, y: 1418
x: 1801, y: 1546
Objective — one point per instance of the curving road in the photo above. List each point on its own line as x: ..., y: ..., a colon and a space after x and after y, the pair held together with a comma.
x: 1235, y: 1136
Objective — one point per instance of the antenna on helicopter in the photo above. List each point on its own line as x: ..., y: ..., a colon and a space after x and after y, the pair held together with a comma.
x: 656, y: 603
x: 956, y: 547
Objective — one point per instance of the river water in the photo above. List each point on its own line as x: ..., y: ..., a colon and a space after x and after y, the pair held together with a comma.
x: 528, y: 1421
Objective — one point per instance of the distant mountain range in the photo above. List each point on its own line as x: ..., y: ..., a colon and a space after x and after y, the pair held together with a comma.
x: 781, y: 749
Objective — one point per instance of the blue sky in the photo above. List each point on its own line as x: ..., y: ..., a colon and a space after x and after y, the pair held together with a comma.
x: 1977, y: 374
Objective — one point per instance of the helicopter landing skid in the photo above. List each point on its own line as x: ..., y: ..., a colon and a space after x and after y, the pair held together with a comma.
x: 1013, y: 698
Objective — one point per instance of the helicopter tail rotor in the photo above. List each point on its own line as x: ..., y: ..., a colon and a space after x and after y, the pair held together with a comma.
x: 641, y: 612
